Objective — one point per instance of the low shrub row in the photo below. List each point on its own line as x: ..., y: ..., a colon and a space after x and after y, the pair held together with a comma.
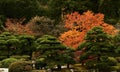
x: 21, y: 66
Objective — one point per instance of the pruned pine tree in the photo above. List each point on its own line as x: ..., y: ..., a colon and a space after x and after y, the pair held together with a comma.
x: 53, y: 52
x: 98, y: 46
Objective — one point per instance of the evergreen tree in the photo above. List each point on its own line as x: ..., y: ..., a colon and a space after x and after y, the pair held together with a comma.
x: 98, y: 46
x: 19, y: 8
x: 53, y: 52
x: 58, y: 8
x: 117, y: 43
x: 111, y: 10
x: 26, y: 45
x: 8, y: 44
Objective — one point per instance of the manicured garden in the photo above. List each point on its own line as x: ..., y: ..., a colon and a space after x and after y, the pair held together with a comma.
x: 98, y: 52
x: 59, y: 36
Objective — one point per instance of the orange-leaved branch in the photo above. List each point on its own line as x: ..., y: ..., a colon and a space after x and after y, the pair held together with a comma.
x: 72, y: 38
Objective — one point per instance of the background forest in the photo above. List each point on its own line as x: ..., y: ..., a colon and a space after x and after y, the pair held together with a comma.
x: 60, y: 32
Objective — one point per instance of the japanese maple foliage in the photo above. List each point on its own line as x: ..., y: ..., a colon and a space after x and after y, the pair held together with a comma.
x: 72, y: 38
x: 80, y: 24
x: 15, y: 26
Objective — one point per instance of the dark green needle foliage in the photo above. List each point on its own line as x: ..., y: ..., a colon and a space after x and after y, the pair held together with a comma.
x: 19, y: 8
x: 27, y: 45
x: 52, y: 51
x: 8, y: 44
x: 97, y: 48
x: 117, y: 44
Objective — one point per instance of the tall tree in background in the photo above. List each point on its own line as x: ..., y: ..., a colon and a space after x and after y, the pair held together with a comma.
x: 111, y: 10
x: 19, y: 8
x: 58, y: 8
x: 55, y: 8
x: 98, y: 6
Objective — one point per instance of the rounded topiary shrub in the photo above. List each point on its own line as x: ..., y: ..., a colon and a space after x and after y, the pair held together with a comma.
x: 20, y: 66
x: 6, y: 62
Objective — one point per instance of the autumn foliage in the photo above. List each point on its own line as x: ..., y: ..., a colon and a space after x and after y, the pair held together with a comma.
x: 72, y: 38
x: 80, y: 24
x: 15, y: 26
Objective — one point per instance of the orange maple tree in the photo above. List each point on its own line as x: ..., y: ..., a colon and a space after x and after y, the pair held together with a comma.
x: 15, y: 26
x: 80, y: 24
x: 72, y: 38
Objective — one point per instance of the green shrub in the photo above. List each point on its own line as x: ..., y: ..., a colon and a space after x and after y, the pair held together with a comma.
x: 6, y: 62
x: 21, y: 66
x: 115, y: 68
x: 112, y: 61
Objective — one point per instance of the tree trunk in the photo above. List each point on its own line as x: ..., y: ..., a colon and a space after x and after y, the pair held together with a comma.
x: 59, y: 67
x: 8, y: 55
x: 68, y: 65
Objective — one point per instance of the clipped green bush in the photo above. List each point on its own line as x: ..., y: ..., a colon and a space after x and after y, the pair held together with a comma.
x: 112, y: 61
x: 115, y: 68
x: 6, y: 62
x: 21, y: 66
